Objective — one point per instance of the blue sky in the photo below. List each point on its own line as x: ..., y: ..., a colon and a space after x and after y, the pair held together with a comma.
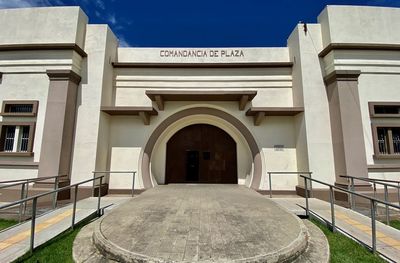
x: 205, y: 23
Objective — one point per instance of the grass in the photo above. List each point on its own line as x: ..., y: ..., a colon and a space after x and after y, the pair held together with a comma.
x: 57, y: 250
x: 5, y: 223
x: 395, y: 224
x: 344, y: 249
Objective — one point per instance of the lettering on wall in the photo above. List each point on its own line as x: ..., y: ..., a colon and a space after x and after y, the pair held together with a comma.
x: 201, y: 53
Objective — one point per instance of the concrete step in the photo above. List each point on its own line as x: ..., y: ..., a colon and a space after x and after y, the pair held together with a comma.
x: 318, y: 247
x: 234, y: 236
x: 317, y: 251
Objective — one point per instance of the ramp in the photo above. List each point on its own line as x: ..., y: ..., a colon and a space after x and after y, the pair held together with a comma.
x: 15, y: 241
x: 354, y: 224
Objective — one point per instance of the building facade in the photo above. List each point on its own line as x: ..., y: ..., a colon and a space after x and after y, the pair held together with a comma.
x: 74, y: 102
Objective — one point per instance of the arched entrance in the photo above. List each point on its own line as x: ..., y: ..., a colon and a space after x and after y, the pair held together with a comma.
x: 201, y: 153
x: 256, y: 154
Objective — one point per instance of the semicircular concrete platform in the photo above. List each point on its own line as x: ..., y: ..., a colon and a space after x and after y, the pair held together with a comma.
x: 199, y: 223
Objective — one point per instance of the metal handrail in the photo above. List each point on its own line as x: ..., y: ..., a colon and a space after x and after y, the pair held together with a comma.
x: 280, y: 172
x: 34, y: 205
x: 25, y: 189
x: 374, y: 182
x: 4, y: 184
x: 118, y: 172
x: 373, y: 202
x: 384, y: 180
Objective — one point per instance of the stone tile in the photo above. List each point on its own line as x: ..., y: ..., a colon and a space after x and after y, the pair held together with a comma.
x: 200, y: 223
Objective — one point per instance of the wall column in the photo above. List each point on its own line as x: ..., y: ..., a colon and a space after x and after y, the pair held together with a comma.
x: 58, y: 131
x: 346, y: 125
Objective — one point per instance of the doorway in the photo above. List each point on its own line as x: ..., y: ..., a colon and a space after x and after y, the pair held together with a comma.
x: 201, y: 153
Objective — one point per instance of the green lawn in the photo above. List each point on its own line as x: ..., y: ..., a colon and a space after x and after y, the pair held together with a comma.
x: 57, y: 250
x: 5, y: 223
x: 395, y: 224
x: 345, y: 250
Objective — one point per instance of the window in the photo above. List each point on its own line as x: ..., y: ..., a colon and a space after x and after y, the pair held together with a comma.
x: 16, y: 139
x: 24, y: 108
x: 384, y: 109
x: 385, y: 128
x: 388, y: 140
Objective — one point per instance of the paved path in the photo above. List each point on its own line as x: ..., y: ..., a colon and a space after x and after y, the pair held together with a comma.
x: 353, y: 223
x: 15, y: 241
x: 211, y: 223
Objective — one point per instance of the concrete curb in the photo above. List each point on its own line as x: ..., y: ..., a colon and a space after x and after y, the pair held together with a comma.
x: 285, y: 254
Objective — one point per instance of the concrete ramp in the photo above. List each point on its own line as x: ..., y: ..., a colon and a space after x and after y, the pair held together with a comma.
x: 196, y: 223
x: 15, y: 241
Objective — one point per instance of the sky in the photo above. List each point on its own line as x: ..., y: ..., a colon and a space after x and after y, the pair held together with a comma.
x: 200, y: 23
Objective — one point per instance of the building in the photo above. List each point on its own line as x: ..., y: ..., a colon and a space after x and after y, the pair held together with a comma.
x: 74, y: 102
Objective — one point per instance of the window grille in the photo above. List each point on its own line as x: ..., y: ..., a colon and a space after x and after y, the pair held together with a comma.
x: 396, y: 140
x: 20, y: 108
x: 9, y: 139
x: 24, y: 130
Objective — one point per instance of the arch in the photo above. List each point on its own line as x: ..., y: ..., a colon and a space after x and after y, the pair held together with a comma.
x: 148, y: 149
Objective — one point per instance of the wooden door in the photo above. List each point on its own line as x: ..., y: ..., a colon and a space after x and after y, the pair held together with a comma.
x: 201, y: 153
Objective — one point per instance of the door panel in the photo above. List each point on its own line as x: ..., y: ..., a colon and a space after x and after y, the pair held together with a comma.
x: 192, y: 166
x: 201, y: 153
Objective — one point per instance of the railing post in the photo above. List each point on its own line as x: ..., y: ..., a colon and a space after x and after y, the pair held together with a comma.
x: 33, y: 222
x: 55, y: 195
x: 311, y: 188
x: 94, y: 183
x: 99, y: 197
x: 353, y: 203
x: 386, y: 206
x: 398, y: 192
x: 374, y: 189
x: 26, y: 196
x: 332, y: 201
x: 21, y: 206
x: 270, y: 185
x: 306, y: 195
x: 74, y: 207
x: 373, y: 225
x: 133, y: 182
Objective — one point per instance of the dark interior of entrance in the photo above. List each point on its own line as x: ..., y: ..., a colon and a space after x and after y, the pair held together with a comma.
x: 201, y: 153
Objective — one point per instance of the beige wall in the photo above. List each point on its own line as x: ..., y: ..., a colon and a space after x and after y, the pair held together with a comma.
x: 377, y: 87
x: 152, y: 55
x: 90, y: 145
x: 47, y: 25
x: 360, y: 24
x: 129, y: 135
x: 313, y: 131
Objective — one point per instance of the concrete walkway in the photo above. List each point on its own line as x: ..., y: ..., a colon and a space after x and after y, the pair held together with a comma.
x: 354, y: 224
x: 197, y: 223
x: 15, y: 241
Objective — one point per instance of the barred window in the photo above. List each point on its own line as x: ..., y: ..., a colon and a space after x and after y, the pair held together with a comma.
x: 16, y: 138
x: 385, y: 128
x: 20, y: 108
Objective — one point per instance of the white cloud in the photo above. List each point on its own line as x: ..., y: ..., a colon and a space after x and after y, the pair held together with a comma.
x: 122, y: 41
x: 112, y: 19
x: 28, y: 3
x: 100, y: 4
